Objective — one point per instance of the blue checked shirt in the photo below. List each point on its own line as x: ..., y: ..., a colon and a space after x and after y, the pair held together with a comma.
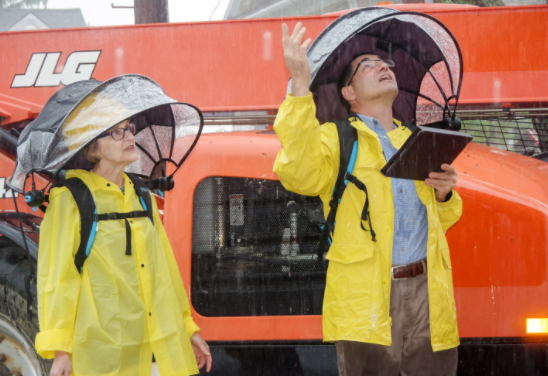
x: 410, y: 221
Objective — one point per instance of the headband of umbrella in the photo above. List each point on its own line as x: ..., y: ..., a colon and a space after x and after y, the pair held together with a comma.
x: 428, y: 62
x: 166, y: 130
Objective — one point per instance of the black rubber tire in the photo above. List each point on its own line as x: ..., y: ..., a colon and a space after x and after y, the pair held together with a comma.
x: 18, y: 303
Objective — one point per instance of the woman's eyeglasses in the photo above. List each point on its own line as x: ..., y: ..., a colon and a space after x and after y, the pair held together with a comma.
x: 119, y: 133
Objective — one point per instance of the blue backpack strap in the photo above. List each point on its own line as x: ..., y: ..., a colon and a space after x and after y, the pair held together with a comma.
x: 348, y: 144
x: 348, y: 138
x: 352, y: 161
x: 143, y: 193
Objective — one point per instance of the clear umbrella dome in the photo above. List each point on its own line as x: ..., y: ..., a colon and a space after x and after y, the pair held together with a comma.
x: 427, y: 57
x: 78, y: 113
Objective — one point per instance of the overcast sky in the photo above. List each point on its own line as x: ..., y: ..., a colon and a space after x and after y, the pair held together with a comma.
x: 100, y: 12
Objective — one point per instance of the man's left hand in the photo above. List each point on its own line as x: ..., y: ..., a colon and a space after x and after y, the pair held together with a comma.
x: 442, y: 182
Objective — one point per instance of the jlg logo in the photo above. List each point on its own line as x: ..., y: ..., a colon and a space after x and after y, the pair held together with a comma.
x: 41, y: 69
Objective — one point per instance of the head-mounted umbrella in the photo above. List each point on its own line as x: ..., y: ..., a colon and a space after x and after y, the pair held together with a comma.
x: 428, y: 62
x: 166, y: 130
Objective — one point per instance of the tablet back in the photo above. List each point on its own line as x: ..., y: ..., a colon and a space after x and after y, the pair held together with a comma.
x: 424, y: 152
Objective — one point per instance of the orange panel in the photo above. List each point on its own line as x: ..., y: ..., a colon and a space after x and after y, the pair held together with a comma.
x: 236, y: 65
x: 498, y: 248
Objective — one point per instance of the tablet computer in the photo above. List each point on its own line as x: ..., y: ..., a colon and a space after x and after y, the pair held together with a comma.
x: 424, y: 152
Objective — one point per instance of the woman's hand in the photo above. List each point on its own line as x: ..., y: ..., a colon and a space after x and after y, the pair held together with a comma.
x: 62, y: 366
x: 201, y: 351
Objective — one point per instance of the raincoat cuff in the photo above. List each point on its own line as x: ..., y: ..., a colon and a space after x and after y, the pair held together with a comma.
x: 53, y: 340
x: 447, y: 204
x: 191, y: 326
x: 303, y: 99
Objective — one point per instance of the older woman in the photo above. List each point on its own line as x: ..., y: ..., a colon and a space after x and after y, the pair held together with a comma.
x: 110, y: 317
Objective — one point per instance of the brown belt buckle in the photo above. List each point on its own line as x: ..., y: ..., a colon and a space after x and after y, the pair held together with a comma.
x: 392, y: 273
x: 423, y: 262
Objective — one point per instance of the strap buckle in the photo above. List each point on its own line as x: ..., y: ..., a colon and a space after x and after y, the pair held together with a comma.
x: 392, y: 273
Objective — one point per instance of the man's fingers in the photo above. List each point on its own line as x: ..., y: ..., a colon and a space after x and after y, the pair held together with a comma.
x: 285, y: 32
x: 440, y: 182
x: 448, y: 168
x: 296, y: 30
x: 306, y: 44
x: 299, y: 37
x: 437, y: 175
x: 435, y: 184
x: 441, y: 176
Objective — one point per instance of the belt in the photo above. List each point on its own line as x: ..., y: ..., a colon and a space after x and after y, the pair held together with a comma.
x: 409, y: 270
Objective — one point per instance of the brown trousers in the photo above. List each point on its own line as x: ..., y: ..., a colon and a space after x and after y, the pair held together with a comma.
x: 411, y: 351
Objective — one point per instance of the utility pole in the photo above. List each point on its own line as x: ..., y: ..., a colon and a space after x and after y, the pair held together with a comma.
x: 151, y: 11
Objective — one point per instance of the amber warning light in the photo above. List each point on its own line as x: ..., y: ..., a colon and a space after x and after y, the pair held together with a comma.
x: 537, y: 325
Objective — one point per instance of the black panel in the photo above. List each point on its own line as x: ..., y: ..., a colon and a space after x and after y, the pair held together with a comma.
x: 254, y: 249
x: 477, y: 357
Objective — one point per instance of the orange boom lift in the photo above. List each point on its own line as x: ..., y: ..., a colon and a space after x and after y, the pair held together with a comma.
x: 231, y: 222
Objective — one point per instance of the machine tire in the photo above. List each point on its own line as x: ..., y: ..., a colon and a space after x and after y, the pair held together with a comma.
x: 18, y: 313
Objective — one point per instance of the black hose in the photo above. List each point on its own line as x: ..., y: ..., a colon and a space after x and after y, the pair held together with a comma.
x: 8, y: 142
x: 21, y: 227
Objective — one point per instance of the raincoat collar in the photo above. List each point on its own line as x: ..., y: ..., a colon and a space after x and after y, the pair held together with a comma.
x: 367, y: 126
x: 96, y: 182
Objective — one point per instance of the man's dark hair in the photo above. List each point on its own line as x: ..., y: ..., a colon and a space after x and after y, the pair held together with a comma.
x: 343, y: 81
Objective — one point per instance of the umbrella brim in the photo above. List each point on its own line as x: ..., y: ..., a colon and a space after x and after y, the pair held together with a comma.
x: 160, y: 120
x: 391, y: 36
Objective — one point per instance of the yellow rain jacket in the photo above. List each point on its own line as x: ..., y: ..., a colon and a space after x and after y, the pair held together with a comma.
x: 356, y: 303
x: 120, y: 309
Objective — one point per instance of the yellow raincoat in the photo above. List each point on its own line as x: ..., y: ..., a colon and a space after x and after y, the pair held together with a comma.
x: 357, y: 294
x: 120, y: 309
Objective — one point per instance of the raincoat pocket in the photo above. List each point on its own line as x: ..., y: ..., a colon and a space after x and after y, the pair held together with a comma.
x: 350, y: 253
x: 444, y: 248
x: 446, y: 258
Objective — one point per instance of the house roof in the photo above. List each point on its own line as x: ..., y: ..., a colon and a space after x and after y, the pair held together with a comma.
x: 52, y: 18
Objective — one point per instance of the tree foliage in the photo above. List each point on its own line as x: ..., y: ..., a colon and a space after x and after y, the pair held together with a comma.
x: 22, y: 3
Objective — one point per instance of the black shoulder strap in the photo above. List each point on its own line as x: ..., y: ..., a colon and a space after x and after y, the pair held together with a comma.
x: 347, y: 136
x: 86, y: 207
x: 411, y: 125
x: 143, y: 193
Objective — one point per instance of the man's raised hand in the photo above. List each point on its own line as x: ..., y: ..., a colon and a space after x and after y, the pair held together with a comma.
x: 295, y: 58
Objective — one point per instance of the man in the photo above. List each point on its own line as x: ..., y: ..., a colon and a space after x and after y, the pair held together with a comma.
x: 388, y: 303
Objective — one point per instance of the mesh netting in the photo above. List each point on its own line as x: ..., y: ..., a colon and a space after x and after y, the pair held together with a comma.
x: 508, y: 131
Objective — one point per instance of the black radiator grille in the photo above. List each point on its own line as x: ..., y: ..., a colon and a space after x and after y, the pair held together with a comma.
x: 513, y: 131
x: 254, y: 249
